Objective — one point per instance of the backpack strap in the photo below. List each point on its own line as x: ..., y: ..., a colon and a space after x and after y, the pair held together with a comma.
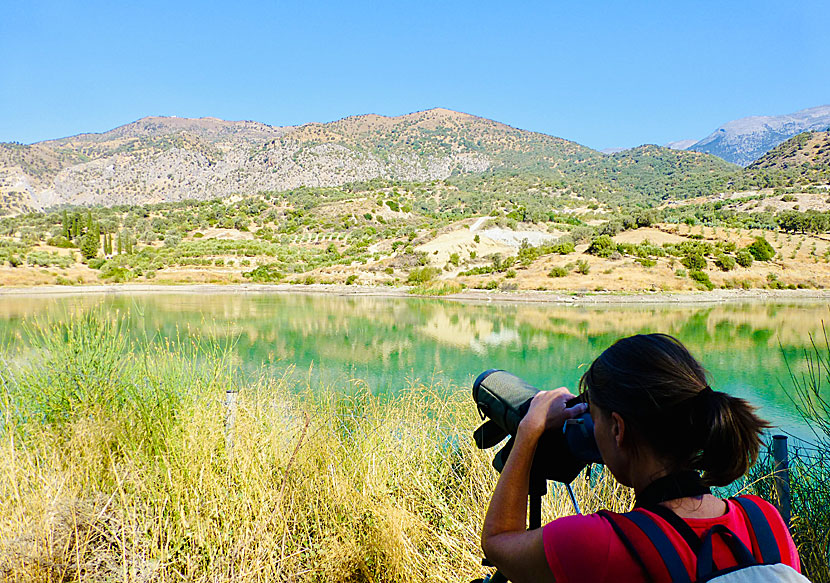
x: 669, y: 556
x: 681, y: 526
x: 705, y: 559
x: 767, y: 545
x: 611, y: 518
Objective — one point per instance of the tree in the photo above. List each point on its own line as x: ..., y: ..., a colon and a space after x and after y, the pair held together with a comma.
x: 761, y: 250
x: 89, y: 245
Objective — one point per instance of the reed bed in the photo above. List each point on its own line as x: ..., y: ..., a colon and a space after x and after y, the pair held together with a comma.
x: 119, y: 462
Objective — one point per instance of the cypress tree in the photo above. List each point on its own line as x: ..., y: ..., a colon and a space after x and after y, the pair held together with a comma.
x: 65, y: 224
x: 120, y: 244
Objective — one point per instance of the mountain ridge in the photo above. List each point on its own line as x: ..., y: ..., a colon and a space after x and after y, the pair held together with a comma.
x: 157, y: 159
x: 742, y: 141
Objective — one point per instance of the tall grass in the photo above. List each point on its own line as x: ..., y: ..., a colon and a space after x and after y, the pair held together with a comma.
x: 116, y: 465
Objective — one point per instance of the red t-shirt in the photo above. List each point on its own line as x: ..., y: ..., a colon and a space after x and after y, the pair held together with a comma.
x: 586, y: 549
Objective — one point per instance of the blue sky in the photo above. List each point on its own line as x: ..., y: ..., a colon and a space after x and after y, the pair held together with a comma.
x: 604, y: 74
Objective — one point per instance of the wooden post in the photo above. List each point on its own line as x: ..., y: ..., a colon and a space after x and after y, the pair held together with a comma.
x: 230, y: 419
x: 781, y: 476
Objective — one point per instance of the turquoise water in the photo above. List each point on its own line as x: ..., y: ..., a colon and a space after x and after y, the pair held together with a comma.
x: 391, y: 342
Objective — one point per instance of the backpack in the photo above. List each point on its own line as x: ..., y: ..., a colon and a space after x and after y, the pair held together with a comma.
x: 748, y: 570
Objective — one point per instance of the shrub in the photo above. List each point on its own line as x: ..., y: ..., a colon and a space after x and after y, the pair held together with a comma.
x: 558, y: 271
x: 743, y: 258
x: 761, y: 250
x: 583, y: 267
x: 351, y: 279
x: 602, y: 246
x: 694, y: 261
x: 725, y: 262
x: 702, y: 278
x: 264, y: 274
x: 422, y: 274
x: 96, y: 262
x: 646, y: 262
x: 60, y: 242
x: 680, y: 272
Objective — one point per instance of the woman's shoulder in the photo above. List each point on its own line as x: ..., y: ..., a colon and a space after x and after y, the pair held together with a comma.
x: 581, y: 548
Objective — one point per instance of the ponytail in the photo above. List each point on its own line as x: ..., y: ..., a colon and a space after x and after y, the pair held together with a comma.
x: 661, y: 391
x: 730, y: 436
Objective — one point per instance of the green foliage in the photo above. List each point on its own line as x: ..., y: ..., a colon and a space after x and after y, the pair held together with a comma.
x: 48, y: 259
x: 702, y: 278
x: 694, y: 261
x: 743, y: 258
x: 761, y: 250
x: 725, y: 262
x: 602, y: 246
x: 422, y: 274
x: 646, y: 262
x: 89, y: 245
x: 351, y: 279
x: 60, y: 241
x: 558, y: 271
x: 269, y: 273
x: 96, y: 262
x: 583, y: 267
x: 116, y: 273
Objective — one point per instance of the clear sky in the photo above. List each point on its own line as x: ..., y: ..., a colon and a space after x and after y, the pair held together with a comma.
x: 605, y: 74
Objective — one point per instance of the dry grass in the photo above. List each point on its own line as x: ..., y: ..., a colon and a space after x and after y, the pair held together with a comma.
x: 139, y: 479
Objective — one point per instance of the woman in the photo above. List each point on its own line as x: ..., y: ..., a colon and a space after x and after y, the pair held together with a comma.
x: 662, y: 431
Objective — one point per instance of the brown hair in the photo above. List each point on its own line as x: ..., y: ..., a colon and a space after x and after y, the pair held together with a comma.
x: 660, y: 390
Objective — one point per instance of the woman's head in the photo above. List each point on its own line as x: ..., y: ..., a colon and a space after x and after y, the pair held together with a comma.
x: 660, y: 391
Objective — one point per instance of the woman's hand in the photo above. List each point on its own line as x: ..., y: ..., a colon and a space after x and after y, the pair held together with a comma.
x: 549, y: 410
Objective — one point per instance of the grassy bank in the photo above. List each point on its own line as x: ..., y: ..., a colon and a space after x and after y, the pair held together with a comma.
x: 120, y: 463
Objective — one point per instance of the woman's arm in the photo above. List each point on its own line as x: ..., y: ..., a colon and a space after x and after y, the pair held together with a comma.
x: 519, y: 553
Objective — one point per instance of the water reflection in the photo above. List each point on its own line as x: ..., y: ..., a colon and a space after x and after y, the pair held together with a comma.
x: 746, y: 347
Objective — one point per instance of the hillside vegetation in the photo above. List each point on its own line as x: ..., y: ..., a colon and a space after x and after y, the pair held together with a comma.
x: 172, y: 159
x: 512, y: 210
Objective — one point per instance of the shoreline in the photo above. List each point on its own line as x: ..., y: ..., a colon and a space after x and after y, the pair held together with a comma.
x: 580, y: 298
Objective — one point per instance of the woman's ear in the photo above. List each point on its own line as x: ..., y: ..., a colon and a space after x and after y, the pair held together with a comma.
x: 617, y: 428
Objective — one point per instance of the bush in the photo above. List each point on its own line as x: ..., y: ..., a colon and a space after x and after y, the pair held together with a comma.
x: 422, y: 275
x: 646, y: 262
x: 761, y: 250
x: 558, y: 271
x: 60, y: 242
x: 264, y: 274
x: 743, y: 258
x: 702, y: 278
x: 583, y: 267
x: 96, y: 262
x: 725, y: 262
x: 694, y: 261
x: 602, y: 246
x: 351, y: 279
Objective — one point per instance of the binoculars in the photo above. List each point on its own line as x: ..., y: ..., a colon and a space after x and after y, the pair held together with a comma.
x: 503, y: 399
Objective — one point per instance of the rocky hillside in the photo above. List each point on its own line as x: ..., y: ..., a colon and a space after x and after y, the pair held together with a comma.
x: 745, y: 140
x: 159, y: 159
x: 804, y: 159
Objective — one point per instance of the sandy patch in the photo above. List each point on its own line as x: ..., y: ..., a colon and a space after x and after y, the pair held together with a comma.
x: 227, y: 234
x: 652, y: 234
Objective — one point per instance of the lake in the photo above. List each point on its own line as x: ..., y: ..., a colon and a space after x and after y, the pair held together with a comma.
x: 390, y: 342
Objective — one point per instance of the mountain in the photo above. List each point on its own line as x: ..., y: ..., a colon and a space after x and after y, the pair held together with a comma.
x: 157, y: 159
x: 743, y: 141
x: 803, y: 159
x: 681, y: 144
